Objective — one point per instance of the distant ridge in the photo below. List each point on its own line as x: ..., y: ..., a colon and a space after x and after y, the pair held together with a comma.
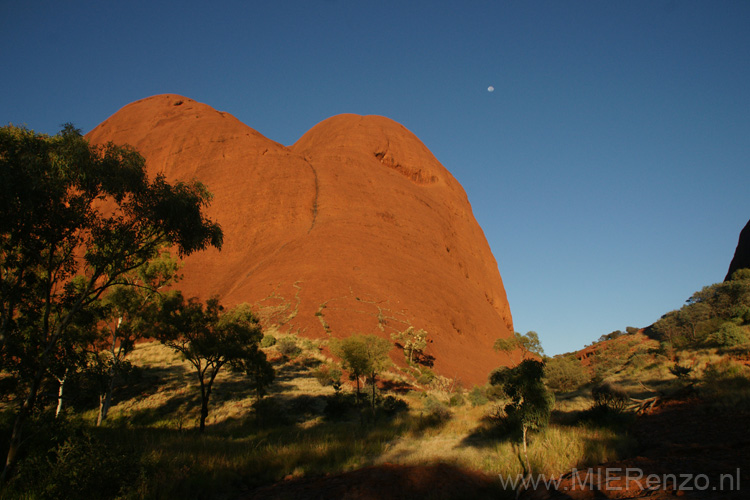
x: 355, y: 228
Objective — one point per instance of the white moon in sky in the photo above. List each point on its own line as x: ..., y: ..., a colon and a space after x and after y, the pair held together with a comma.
x: 490, y: 89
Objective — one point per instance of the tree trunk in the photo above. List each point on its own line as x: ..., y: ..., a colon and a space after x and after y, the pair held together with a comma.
x: 204, y: 414
x: 23, y: 415
x: 206, y: 395
x: 105, y: 401
x: 373, y: 391
x: 60, y: 390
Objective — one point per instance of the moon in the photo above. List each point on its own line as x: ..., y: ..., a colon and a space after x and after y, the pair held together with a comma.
x: 490, y: 89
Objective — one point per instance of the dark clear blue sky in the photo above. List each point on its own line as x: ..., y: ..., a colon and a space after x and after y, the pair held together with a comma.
x: 609, y: 168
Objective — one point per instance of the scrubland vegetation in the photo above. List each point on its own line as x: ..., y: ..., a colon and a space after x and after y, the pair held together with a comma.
x: 150, y: 446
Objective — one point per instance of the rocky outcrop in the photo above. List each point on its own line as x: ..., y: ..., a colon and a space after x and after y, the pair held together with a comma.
x: 741, y: 259
x: 355, y: 228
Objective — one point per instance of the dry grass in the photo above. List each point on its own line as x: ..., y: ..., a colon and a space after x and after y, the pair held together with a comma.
x: 293, y: 437
x: 309, y: 444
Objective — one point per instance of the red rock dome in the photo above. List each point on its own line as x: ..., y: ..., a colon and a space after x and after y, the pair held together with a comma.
x: 356, y: 228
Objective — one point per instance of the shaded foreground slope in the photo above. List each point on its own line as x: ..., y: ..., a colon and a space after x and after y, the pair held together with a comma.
x: 354, y: 228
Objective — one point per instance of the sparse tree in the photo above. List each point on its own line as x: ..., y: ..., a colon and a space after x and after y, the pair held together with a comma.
x: 527, y: 344
x: 363, y: 355
x: 74, y: 219
x: 210, y: 338
x: 127, y: 311
x: 413, y: 342
x: 530, y: 403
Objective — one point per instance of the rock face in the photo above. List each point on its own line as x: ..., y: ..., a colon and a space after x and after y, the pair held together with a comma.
x: 741, y: 259
x: 355, y: 228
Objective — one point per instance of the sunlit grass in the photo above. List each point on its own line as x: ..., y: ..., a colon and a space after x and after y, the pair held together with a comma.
x: 240, y: 450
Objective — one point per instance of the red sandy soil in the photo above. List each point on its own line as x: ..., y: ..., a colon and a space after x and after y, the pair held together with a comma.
x: 355, y: 226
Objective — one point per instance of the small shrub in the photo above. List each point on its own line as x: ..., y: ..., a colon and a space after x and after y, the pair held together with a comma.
x: 426, y: 376
x: 288, y: 347
x: 742, y: 313
x: 329, y: 375
x: 496, y: 414
x: 393, y: 405
x: 457, y: 400
x: 639, y: 360
x: 726, y: 385
x: 436, y: 410
x: 78, y: 463
x: 268, y: 341
x: 666, y: 349
x: 611, y: 336
x: 442, y: 384
x: 477, y: 397
x: 679, y: 371
x: 565, y: 373
x: 723, y: 370
x: 610, y: 397
x: 728, y: 335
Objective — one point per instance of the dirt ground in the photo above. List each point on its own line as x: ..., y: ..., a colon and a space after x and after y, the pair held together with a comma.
x: 693, y: 450
x: 388, y: 481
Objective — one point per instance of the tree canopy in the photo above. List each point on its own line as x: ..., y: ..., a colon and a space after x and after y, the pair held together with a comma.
x: 363, y: 355
x: 74, y: 220
x: 708, y: 314
x: 210, y: 337
x: 527, y: 344
x: 530, y: 402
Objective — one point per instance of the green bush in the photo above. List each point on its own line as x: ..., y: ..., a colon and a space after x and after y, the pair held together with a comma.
x: 610, y: 397
x: 680, y: 371
x: 67, y: 460
x: 328, y: 375
x: 393, y: 405
x: 268, y: 341
x: 288, y: 346
x: 426, y: 376
x: 611, y: 336
x: 477, y: 397
x: 741, y: 313
x: 729, y: 335
x: 565, y: 373
x: 639, y: 360
x: 726, y: 385
x: 436, y: 410
x: 457, y: 400
x: 723, y: 370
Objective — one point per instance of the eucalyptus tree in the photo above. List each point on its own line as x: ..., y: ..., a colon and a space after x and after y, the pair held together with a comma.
x: 75, y: 220
x: 127, y: 313
x: 363, y: 355
x: 211, y: 337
